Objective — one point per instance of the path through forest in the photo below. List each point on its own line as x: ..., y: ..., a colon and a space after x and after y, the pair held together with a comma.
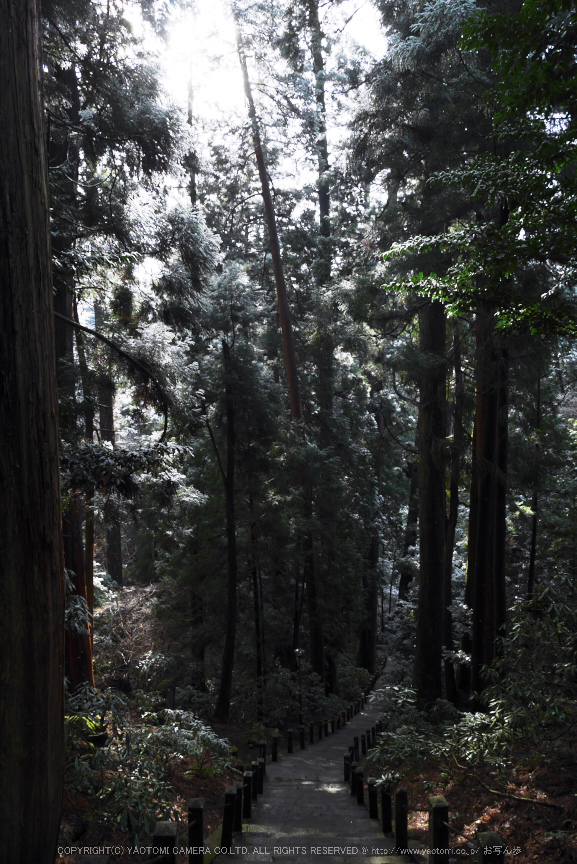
x: 307, y: 813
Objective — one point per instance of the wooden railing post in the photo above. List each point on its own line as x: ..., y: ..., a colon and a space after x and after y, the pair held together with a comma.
x: 228, y: 817
x: 238, y: 807
x: 347, y: 767
x: 353, y: 777
x: 491, y: 848
x: 363, y: 745
x: 166, y: 837
x: 373, y: 798
x: 360, y: 787
x: 386, y: 810
x: 438, y: 830
x: 196, y: 830
x: 247, y: 796
x: 356, y: 746
x: 401, y: 819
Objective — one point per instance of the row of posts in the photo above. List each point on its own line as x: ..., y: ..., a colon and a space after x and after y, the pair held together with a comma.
x: 395, y: 809
x: 323, y: 728
x: 238, y: 801
x: 238, y: 798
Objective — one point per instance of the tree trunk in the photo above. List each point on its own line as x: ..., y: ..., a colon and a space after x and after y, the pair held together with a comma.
x: 88, y: 403
x: 427, y: 673
x: 412, y: 526
x: 31, y: 564
x: 491, y: 458
x: 316, y: 640
x: 108, y: 433
x: 458, y: 435
x: 535, y: 498
x: 464, y: 673
x: 256, y: 602
x: 222, y: 709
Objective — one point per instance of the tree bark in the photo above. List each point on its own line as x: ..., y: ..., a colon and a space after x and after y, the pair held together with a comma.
x: 455, y: 478
x: 491, y: 458
x: 427, y: 673
x: 535, y: 498
x: 31, y: 563
x: 412, y: 525
x: 222, y: 709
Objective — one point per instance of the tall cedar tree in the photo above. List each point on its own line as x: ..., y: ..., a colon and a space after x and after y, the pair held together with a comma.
x: 32, y: 578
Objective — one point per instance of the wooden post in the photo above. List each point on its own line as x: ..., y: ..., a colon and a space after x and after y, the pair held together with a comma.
x: 302, y: 737
x: 274, y: 754
x: 260, y: 763
x: 491, y: 848
x: 238, y: 807
x: 386, y: 810
x: 360, y: 787
x: 363, y: 745
x: 373, y: 798
x: 228, y: 817
x: 353, y: 778
x: 401, y: 819
x: 347, y: 767
x: 254, y: 767
x: 438, y: 830
x: 166, y: 837
x: 289, y: 741
x: 196, y: 829
x: 356, y: 746
x: 247, y: 796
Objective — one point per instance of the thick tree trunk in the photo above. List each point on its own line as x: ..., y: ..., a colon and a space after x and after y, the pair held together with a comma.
x: 427, y: 673
x: 31, y: 563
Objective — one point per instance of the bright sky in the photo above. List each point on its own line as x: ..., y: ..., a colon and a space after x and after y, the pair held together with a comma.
x: 202, y: 48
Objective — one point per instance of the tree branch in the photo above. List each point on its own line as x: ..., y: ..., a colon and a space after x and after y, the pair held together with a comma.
x: 164, y: 399
x: 515, y: 797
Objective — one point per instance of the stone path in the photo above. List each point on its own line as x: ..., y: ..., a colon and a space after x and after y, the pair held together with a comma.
x: 307, y: 813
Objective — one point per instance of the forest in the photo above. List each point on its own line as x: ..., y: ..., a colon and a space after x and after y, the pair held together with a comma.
x: 288, y: 390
